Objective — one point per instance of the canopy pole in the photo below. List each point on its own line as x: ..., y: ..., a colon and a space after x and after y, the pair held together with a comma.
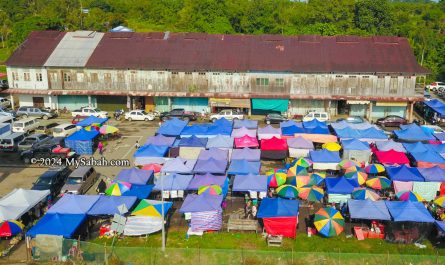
x: 162, y: 213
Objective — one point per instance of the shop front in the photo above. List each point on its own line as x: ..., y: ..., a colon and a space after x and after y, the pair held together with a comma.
x: 382, y: 109
x: 218, y: 104
x: 262, y: 106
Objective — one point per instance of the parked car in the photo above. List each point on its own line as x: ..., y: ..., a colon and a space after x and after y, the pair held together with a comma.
x: 180, y: 114
x: 5, y: 103
x: 25, y: 125
x: 4, y: 84
x: 228, y: 114
x: 391, y: 121
x: 88, y: 111
x: 80, y: 180
x: 64, y: 130
x: 52, y: 148
x: 435, y: 86
x: 274, y: 118
x: 47, y: 128
x: 29, y: 141
x: 319, y: 115
x: 10, y: 142
x: 139, y: 115
x: 7, y: 112
x: 53, y: 180
x: 352, y: 119
x: 42, y: 113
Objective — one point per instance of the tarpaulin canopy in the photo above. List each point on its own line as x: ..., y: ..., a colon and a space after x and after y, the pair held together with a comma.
x: 142, y: 225
x: 278, y: 207
x: 368, y: 209
x: 179, y: 165
x: 216, y: 129
x: 246, y: 154
x: 357, y: 126
x: 404, y: 173
x: 347, y: 132
x: 413, y: 133
x: 198, y: 130
x: 246, y: 141
x: 300, y: 142
x: 237, y: 133
x: 91, y: 120
x: 416, y: 147
x: 173, y: 182
x: 268, y: 132
x: 438, y: 148
x: 372, y: 134
x: 324, y: 156
x: 440, y: 136
x: 82, y: 141
x: 206, y: 221
x: 340, y: 185
x: 206, y: 180
x: 391, y: 157
x: 280, y: 105
x: 201, y: 203
x: 108, y: 205
x: 249, y: 124
x: 292, y: 130
x: 148, y: 154
x: 57, y: 224
x: 408, y: 211
x: 428, y: 156
x: 314, y: 124
x: 440, y: 225
x: 436, y: 105
x: 152, y: 208
x: 19, y: 201
x: 193, y: 141
x: 74, y: 204
x: 172, y: 127
x: 220, y: 141
x: 390, y: 145
x: 140, y: 191
x: 135, y: 176
x: 223, y: 122
x: 274, y: 144
x: 250, y: 182
x: 317, y: 130
x: 288, y: 123
x: 161, y: 140
x: 211, y: 165
x: 215, y: 153
x: 244, y: 167
x: 354, y: 144
x: 433, y: 174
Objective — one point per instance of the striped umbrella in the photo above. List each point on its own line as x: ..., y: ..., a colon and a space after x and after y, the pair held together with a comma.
x: 364, y: 193
x: 276, y: 178
x: 298, y: 181
x: 331, y: 146
x: 346, y: 163
x: 311, y: 193
x: 108, y: 129
x: 117, y: 188
x: 316, y: 178
x: 374, y: 169
x: 302, y: 162
x: 297, y: 171
x: 440, y: 201
x: 210, y: 189
x: 150, y: 208
x: 378, y: 183
x: 287, y: 191
x: 329, y: 222
x: 354, y: 169
x: 360, y: 176
x: 409, y: 196
x: 10, y: 228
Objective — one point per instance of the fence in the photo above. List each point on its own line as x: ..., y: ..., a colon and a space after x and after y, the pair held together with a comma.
x: 91, y: 253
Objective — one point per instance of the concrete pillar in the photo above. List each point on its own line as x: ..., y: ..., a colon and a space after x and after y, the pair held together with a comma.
x: 11, y: 98
x: 169, y: 103
x: 89, y: 101
x: 50, y: 101
x: 410, y: 111
x: 128, y: 102
x: 370, y: 111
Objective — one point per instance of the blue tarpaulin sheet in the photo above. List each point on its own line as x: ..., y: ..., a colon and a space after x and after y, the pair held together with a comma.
x: 82, y: 141
x: 74, y: 204
x: 172, y: 127
x: 193, y: 141
x: 140, y: 191
x: 173, y: 182
x: 135, y: 176
x: 107, y: 205
x: 404, y: 173
x: 291, y: 130
x: 278, y: 207
x: 413, y: 133
x: 428, y: 156
x: 91, y: 120
x: 57, y: 224
x: 244, y: 167
x: 408, y: 211
x: 354, y: 144
x: 324, y: 156
x: 151, y: 151
x: 314, y: 124
x: 340, y: 185
x: 433, y: 174
x: 369, y: 210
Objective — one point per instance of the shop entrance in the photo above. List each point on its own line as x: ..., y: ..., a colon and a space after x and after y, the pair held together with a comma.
x: 342, y: 107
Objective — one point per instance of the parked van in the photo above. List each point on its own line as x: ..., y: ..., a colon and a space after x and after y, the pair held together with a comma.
x: 25, y: 125
x: 80, y: 180
x: 319, y: 115
x: 10, y: 142
x: 64, y: 130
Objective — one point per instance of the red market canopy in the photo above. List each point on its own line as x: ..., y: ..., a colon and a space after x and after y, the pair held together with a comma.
x: 246, y: 141
x: 274, y: 144
x: 392, y: 157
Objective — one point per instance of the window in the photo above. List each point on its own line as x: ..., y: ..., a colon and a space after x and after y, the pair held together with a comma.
x: 80, y: 77
x: 279, y: 82
x: 94, y: 78
x: 174, y: 73
x: 339, y: 76
x: 107, y: 78
x: 26, y: 76
x: 67, y: 77
x: 188, y: 73
x: 15, y: 76
x: 215, y: 73
x: 202, y: 73
x: 365, y: 76
x: 262, y: 81
x: 39, y: 77
x: 393, y: 85
x: 133, y: 77
x: 120, y: 77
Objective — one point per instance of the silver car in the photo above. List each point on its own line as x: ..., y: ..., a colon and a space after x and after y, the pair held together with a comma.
x: 29, y: 141
x: 26, y: 112
x: 80, y: 180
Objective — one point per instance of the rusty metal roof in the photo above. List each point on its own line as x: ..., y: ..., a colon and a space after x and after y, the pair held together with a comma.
x: 36, y: 49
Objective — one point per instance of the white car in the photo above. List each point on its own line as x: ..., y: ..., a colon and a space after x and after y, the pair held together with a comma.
x: 5, y: 103
x: 64, y: 130
x: 436, y: 86
x: 87, y: 112
x: 227, y: 114
x: 319, y: 115
x: 139, y: 115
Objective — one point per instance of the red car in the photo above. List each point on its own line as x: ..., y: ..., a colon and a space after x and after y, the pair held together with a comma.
x: 391, y: 121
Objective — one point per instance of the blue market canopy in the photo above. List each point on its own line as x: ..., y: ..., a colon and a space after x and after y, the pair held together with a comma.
x: 135, y: 176
x: 404, y: 173
x: 217, y: 129
x: 246, y: 154
x: 416, y: 147
x: 288, y: 123
x: 57, y: 224
x: 206, y: 180
x: 346, y: 133
x: 91, y: 120
x: 160, y: 140
x: 211, y: 165
x: 314, y: 124
x: 172, y: 127
x: 250, y: 182
x: 436, y: 105
x: 278, y: 207
x: 292, y: 130
x: 173, y: 182
x: 179, y: 165
x: 368, y: 209
x: 249, y: 124
x: 140, y: 191
x: 317, y: 130
x: 390, y: 145
x: 82, y: 141
x: 107, y: 205
x: 151, y: 151
x: 193, y: 141
x: 440, y: 225
x: 74, y: 204
x: 408, y: 211
x: 244, y: 167
x: 201, y: 203
x: 220, y: 141
x: 433, y: 174
x: 340, y: 185
x: 413, y: 133
x: 354, y: 144
x: 195, y: 129
x: 428, y: 156
x: 372, y: 133
x: 324, y: 156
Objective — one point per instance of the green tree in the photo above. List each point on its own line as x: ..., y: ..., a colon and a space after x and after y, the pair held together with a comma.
x: 374, y: 16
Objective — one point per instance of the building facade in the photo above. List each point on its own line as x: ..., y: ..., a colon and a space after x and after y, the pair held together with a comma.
x: 366, y: 76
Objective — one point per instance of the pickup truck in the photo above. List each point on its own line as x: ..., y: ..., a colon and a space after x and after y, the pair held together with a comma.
x: 52, y: 149
x: 227, y: 114
x: 87, y: 112
x: 180, y: 114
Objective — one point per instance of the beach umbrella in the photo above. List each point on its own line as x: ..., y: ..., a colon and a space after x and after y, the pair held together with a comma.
x: 331, y: 146
x: 378, y: 183
x: 311, y: 193
x: 298, y: 181
x: 287, y: 191
x: 276, y: 178
x: 407, y: 195
x: 297, y: 171
x: 155, y: 167
x: 316, y: 178
x: 92, y: 127
x: 145, y: 208
x: 303, y: 162
x: 374, y: 168
x: 346, y: 163
x: 364, y: 193
x: 108, y: 129
x: 329, y: 222
x: 354, y: 169
x: 440, y: 201
x: 10, y: 228
x: 117, y: 188
x: 359, y: 175
x: 210, y: 189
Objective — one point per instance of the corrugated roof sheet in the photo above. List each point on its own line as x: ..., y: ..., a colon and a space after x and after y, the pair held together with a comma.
x: 36, y: 49
x: 74, y: 49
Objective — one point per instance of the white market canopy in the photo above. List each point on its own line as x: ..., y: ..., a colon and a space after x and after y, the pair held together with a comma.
x: 19, y: 201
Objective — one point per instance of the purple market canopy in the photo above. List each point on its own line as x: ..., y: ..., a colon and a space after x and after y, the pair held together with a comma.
x: 201, y: 203
x: 249, y: 124
x: 246, y: 154
x: 135, y: 176
x: 173, y: 182
x: 193, y: 141
x: 433, y: 174
x: 215, y: 153
x: 237, y: 133
x: 160, y: 140
x: 179, y: 165
x: 390, y: 144
x: 205, y: 180
x: 300, y: 142
x: 211, y: 166
x: 269, y: 132
x: 250, y: 182
x: 220, y: 141
x: 244, y: 167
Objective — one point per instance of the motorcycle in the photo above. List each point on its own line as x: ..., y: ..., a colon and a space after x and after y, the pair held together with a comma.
x: 118, y: 114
